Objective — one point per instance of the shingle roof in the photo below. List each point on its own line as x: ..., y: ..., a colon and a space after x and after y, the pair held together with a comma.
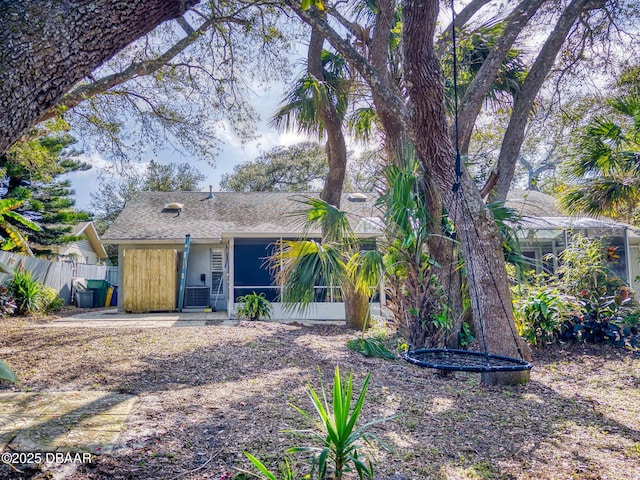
x: 146, y: 218
x: 533, y: 204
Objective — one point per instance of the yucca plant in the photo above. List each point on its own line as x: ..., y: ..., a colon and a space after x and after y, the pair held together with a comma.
x: 338, y: 440
x: 286, y: 472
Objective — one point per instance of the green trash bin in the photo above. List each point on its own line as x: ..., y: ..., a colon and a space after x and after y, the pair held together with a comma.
x: 99, y: 288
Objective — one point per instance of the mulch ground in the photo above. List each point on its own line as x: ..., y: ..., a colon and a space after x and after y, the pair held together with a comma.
x: 206, y: 394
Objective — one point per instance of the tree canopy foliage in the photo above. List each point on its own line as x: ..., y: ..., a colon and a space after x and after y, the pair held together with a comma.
x: 114, y: 192
x: 33, y: 174
x: 297, y: 168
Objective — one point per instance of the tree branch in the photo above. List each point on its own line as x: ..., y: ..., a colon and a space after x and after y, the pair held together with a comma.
x: 514, y: 136
x: 82, y: 92
x: 471, y: 103
x: 359, y: 62
x: 37, y: 68
x: 461, y: 20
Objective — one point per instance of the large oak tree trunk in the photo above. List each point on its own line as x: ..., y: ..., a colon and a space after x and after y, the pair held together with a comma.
x: 489, y: 290
x: 474, y: 97
x: 48, y: 46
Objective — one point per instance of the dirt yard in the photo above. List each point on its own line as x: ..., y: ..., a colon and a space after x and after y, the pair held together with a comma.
x: 206, y: 394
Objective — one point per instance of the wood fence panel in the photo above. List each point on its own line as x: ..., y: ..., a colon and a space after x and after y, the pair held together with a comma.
x: 150, y: 280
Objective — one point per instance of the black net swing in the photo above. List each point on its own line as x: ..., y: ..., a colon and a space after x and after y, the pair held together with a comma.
x: 468, y: 360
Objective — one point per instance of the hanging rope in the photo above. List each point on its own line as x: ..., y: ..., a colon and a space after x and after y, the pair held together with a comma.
x: 466, y: 360
x: 455, y: 97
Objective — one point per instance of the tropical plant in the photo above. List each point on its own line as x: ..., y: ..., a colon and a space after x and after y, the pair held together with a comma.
x: 302, y: 265
x: 417, y: 302
x: 604, y: 320
x: 254, y: 306
x: 26, y: 291
x: 606, y: 171
x: 286, y: 472
x: 337, y: 439
x: 9, y: 218
x: 583, y: 269
x: 540, y: 316
x: 7, y: 306
x: 6, y: 373
x: 371, y: 347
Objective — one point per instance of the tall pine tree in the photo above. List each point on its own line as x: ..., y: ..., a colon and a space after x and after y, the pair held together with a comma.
x: 32, y: 171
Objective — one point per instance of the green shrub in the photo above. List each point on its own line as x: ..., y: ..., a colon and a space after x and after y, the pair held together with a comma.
x: 26, y: 292
x: 371, y: 347
x: 254, y: 306
x: 50, y: 302
x: 605, y: 320
x: 540, y: 315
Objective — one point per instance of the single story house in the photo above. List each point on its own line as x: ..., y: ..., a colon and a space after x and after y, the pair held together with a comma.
x: 230, y: 235
x: 544, y: 232
x: 87, y: 250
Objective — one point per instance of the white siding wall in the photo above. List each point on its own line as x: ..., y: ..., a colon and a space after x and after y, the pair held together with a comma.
x: 315, y: 311
x: 634, y: 253
x: 83, y: 252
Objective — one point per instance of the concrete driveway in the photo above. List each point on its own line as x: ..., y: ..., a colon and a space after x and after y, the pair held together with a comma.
x: 112, y: 318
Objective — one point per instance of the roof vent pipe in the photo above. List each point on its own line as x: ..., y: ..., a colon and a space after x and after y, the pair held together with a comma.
x: 210, y: 192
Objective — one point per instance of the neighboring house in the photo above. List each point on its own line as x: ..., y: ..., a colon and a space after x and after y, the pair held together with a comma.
x: 87, y: 250
x: 231, y: 233
x: 545, y: 231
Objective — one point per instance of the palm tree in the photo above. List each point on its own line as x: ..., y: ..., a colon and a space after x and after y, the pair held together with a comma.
x: 14, y: 239
x: 416, y: 300
x: 606, y: 170
x: 302, y: 265
x: 318, y: 104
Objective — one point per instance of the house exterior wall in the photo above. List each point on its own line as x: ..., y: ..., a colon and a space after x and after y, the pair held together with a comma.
x: 251, y: 253
x: 634, y: 257
x: 82, y: 251
x: 200, y: 264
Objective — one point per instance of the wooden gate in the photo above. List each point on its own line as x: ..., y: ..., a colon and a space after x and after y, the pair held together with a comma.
x: 150, y: 280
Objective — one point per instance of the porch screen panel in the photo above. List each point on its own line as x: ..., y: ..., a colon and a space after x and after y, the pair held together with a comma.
x: 251, y: 273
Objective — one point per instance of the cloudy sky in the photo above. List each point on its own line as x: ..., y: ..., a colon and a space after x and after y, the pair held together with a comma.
x: 232, y: 151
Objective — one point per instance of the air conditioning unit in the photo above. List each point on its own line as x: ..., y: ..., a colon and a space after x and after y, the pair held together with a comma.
x: 196, y: 296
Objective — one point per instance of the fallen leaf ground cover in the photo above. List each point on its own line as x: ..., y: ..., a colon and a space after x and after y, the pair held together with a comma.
x: 206, y: 394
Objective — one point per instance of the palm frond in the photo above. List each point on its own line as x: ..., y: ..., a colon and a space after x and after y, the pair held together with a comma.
x: 302, y: 265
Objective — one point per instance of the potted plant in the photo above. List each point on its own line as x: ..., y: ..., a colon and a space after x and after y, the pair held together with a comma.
x: 254, y: 306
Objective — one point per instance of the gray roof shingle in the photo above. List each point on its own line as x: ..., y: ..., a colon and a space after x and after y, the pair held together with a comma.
x: 249, y: 213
